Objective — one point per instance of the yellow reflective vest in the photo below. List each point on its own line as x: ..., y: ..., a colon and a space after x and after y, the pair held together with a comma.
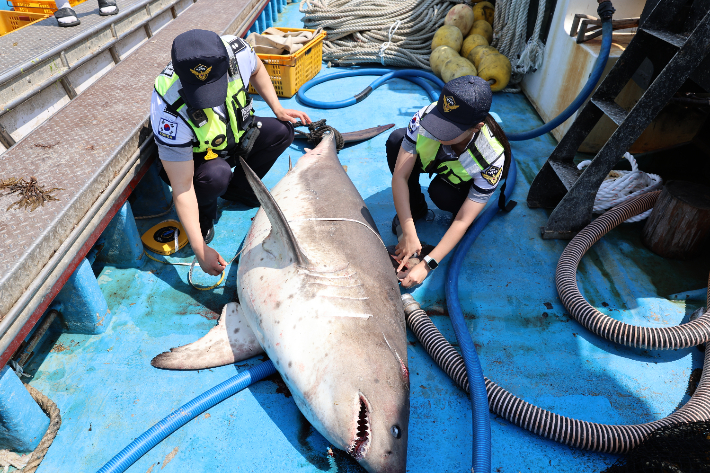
x: 216, y: 135
x: 482, y: 152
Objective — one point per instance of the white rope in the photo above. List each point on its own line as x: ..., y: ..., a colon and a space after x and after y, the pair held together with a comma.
x: 392, y: 32
x: 510, y: 23
x: 620, y: 186
x: 384, y: 47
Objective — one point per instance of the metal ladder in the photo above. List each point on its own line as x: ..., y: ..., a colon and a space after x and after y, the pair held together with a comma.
x: 675, y: 37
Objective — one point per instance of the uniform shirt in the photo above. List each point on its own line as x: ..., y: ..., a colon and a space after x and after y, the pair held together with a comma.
x: 172, y: 135
x: 481, y: 189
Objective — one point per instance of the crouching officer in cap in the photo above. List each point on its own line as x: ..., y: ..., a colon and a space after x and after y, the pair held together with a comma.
x: 458, y: 140
x: 203, y: 122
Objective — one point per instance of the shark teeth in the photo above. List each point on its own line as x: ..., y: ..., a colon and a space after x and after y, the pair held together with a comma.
x: 359, y: 446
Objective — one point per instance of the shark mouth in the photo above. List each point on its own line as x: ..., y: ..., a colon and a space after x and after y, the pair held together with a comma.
x: 358, y: 447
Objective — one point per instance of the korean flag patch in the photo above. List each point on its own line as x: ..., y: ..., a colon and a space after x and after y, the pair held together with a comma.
x: 492, y: 174
x: 167, y: 129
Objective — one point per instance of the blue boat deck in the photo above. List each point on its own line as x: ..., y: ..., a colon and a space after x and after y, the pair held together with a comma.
x: 109, y: 393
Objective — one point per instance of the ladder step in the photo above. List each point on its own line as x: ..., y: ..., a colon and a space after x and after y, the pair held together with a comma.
x: 612, y: 110
x: 675, y: 39
x: 567, y: 172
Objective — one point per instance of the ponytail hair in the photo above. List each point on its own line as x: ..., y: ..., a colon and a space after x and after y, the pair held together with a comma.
x: 499, y: 134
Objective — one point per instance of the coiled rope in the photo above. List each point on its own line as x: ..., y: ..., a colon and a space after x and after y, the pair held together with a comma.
x: 620, y: 186
x: 55, y: 421
x: 388, y: 32
x: 316, y: 130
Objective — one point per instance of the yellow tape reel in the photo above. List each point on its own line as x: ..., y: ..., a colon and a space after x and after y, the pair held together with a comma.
x: 161, y: 238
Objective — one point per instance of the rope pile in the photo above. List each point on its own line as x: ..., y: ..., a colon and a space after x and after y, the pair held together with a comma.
x: 388, y: 32
x: 510, y: 25
x: 620, y: 186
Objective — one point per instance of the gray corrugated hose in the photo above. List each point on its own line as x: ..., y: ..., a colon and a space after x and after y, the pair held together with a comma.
x: 573, y: 432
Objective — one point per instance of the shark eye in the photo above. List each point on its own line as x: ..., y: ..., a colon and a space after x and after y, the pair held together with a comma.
x: 396, y: 432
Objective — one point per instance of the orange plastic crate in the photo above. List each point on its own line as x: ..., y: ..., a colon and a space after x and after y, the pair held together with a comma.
x: 14, y: 20
x: 289, y: 72
x: 48, y: 7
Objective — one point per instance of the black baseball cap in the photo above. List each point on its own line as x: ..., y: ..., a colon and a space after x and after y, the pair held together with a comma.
x: 464, y: 102
x: 201, y: 61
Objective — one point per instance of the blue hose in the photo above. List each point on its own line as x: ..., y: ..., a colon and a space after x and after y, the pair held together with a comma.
x: 412, y: 75
x: 481, y: 461
x: 156, y: 434
x: 583, y: 95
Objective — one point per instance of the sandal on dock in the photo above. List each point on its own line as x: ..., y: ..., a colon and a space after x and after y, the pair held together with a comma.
x: 66, y: 13
x: 105, y: 4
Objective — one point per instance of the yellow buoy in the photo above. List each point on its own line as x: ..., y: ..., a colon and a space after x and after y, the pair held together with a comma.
x: 471, y: 42
x: 479, y: 52
x: 483, y: 28
x: 461, y: 16
x: 496, y: 68
x: 439, y: 56
x: 449, y: 36
x: 483, y: 11
x: 457, y: 67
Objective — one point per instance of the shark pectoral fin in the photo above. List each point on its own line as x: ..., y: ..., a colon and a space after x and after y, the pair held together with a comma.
x: 279, y: 225
x: 231, y: 340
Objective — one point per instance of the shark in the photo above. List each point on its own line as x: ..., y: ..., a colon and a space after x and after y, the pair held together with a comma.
x: 317, y: 294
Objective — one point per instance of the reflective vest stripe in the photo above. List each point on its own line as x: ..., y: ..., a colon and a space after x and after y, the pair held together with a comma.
x: 469, y: 163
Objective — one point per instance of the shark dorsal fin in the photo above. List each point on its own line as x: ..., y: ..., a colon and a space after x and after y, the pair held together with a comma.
x: 279, y: 224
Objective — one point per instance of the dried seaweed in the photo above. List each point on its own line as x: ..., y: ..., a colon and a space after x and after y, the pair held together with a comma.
x: 32, y: 195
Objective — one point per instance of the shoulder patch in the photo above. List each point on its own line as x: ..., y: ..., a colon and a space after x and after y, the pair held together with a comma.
x: 167, y: 129
x: 237, y: 45
x: 168, y: 71
x: 492, y: 174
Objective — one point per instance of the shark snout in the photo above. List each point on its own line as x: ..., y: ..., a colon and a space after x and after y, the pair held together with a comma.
x: 379, y: 439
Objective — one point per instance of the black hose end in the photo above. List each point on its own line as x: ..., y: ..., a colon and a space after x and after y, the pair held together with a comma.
x: 363, y: 95
x: 605, y: 10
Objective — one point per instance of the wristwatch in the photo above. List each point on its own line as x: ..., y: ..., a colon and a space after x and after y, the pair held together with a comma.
x: 431, y: 262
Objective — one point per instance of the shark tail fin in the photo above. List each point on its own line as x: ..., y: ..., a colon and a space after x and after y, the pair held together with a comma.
x: 279, y: 224
x: 231, y: 340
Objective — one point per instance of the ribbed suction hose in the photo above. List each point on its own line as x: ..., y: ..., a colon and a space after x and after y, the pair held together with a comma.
x: 572, y: 432
x: 693, y: 333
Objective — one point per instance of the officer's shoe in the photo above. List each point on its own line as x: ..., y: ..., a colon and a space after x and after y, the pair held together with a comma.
x: 208, y: 235
x: 417, y: 214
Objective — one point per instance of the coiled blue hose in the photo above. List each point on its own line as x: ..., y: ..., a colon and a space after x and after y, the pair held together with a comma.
x: 583, y: 95
x: 481, y: 461
x: 179, y: 417
x: 412, y: 75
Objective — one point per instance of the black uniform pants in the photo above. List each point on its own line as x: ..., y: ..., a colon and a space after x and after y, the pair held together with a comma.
x: 444, y: 195
x: 214, y: 178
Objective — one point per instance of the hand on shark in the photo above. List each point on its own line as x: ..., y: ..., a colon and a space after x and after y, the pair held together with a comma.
x: 407, y: 247
x: 414, y: 276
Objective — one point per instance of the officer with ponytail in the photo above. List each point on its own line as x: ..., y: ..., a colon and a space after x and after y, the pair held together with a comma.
x: 459, y: 141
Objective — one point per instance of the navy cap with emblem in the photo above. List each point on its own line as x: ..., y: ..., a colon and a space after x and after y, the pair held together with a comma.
x: 201, y: 61
x: 464, y: 102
